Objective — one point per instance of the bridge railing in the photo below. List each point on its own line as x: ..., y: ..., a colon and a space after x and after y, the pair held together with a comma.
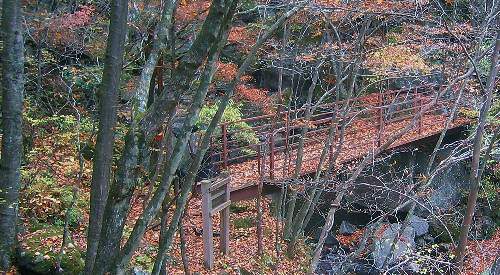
x: 365, y: 117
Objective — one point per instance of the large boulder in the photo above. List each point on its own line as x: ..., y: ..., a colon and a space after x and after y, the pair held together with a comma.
x: 331, y: 240
x: 446, y: 190
x: 384, y: 237
x: 421, y: 226
x: 347, y: 228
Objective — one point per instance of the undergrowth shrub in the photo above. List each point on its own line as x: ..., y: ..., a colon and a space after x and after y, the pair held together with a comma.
x: 239, y: 131
x: 43, y: 201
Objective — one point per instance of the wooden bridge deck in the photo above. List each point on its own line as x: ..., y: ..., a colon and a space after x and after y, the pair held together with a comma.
x: 371, y: 120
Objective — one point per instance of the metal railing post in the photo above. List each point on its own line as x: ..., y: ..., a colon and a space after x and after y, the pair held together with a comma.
x: 271, y: 156
x: 224, y: 145
x: 259, y: 159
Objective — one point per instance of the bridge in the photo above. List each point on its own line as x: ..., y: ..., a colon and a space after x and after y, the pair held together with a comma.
x: 369, y: 120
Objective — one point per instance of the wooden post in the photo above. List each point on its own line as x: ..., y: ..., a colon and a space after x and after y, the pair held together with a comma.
x: 224, y: 224
x: 224, y: 144
x: 208, y: 238
x: 215, y: 199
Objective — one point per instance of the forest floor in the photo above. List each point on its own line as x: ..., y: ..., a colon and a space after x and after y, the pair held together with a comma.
x: 243, y: 243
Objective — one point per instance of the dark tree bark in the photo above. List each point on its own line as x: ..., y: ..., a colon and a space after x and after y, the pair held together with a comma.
x: 108, y: 95
x: 12, y: 107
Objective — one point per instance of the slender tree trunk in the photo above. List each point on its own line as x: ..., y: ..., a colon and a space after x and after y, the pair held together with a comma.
x: 197, y: 54
x: 167, y: 202
x: 299, y: 219
x: 108, y: 95
x: 475, y: 175
x: 12, y: 147
x: 160, y: 39
x: 300, y: 154
x: 117, y: 206
x: 182, y: 237
x: 278, y: 114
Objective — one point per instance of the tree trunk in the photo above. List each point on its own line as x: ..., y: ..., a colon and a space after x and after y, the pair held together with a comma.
x: 191, y: 176
x: 298, y: 223
x: 182, y: 237
x: 153, y: 117
x: 475, y: 175
x: 108, y: 95
x: 117, y: 206
x: 12, y: 108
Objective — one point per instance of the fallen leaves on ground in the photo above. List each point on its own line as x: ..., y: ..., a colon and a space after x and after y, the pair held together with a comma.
x: 481, y: 254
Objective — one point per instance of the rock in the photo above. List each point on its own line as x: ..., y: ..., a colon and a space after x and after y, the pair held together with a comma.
x: 425, y: 240
x: 243, y: 271
x: 429, y: 239
x: 447, y: 188
x: 383, y: 244
x: 331, y: 241
x: 138, y: 271
x: 414, y: 267
x: 347, y: 228
x: 420, y: 225
x: 38, y: 258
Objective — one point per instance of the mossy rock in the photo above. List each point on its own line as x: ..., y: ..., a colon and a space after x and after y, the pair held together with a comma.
x: 40, y: 250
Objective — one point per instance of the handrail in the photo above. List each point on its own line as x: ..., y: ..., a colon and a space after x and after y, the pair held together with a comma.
x: 380, y: 108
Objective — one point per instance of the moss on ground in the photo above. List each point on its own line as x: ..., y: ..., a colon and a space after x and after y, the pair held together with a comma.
x: 40, y: 251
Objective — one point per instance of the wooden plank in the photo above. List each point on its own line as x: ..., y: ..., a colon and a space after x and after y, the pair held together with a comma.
x: 218, y: 194
x: 220, y: 207
x: 219, y: 183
